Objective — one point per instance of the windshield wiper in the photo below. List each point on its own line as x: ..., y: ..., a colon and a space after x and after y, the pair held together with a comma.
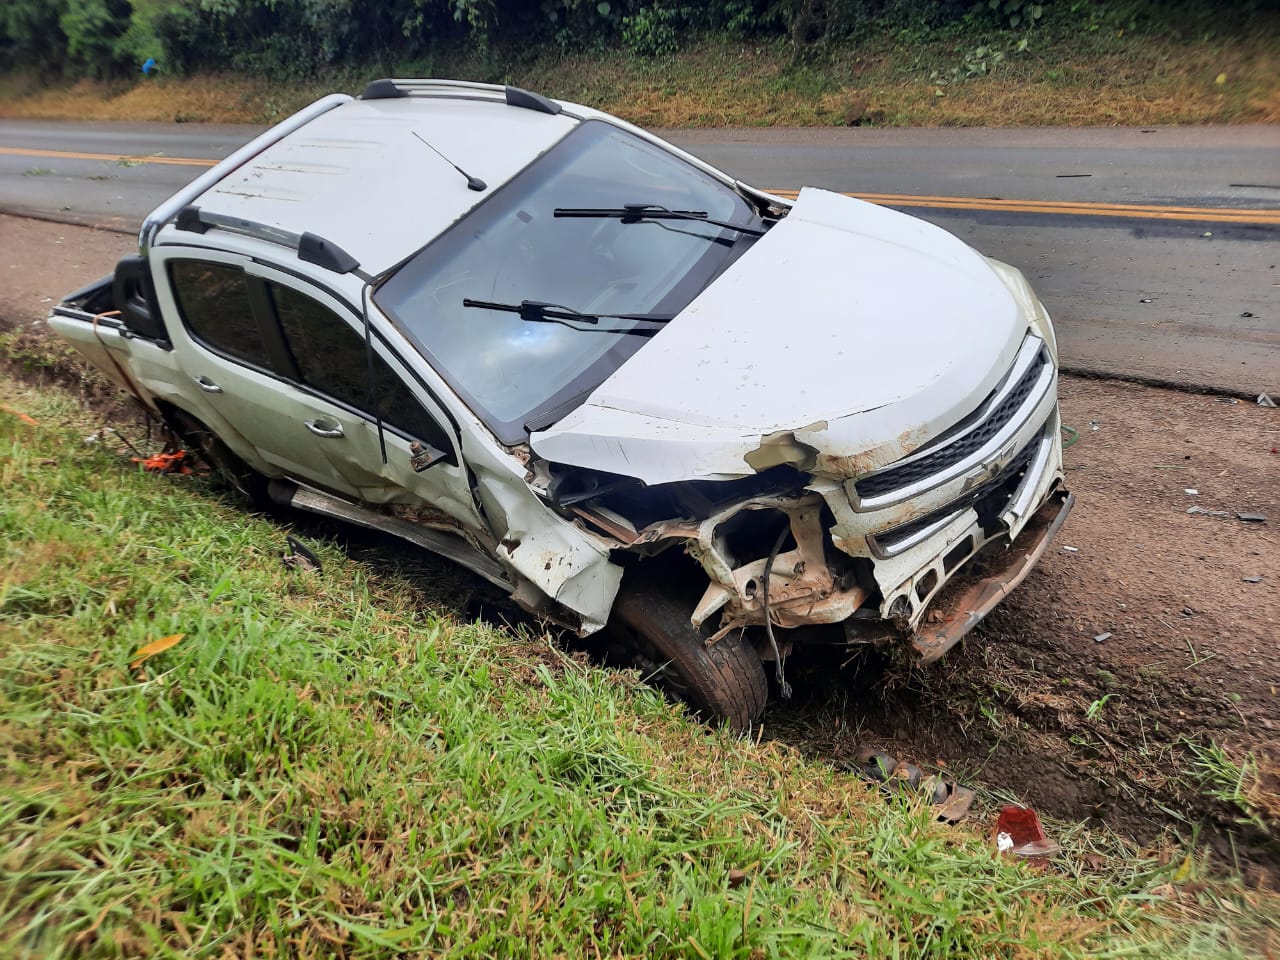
x: 637, y: 212
x: 539, y: 312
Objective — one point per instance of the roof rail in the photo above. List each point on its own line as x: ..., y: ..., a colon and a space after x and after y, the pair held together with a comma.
x: 389, y: 88
x: 162, y: 214
x: 310, y: 247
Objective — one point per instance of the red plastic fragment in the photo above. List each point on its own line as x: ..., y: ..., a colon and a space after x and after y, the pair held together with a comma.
x: 165, y: 462
x: 1019, y: 834
x: 1022, y: 824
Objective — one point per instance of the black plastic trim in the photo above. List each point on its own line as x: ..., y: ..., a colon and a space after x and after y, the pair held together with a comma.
x: 324, y: 253
x: 188, y: 219
x: 528, y: 100
x: 383, y: 89
x: 134, y: 295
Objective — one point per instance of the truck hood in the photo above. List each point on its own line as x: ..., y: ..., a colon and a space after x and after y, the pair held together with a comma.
x: 845, y: 338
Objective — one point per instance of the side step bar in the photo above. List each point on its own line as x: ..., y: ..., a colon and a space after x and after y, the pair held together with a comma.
x: 444, y: 544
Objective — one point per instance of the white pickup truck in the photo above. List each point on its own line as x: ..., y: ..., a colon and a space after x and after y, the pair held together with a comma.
x: 627, y: 388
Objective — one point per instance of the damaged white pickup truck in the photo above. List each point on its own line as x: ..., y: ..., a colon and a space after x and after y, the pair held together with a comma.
x: 603, y: 375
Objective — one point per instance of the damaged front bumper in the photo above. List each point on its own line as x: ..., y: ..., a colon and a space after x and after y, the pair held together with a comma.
x: 993, y: 576
x: 920, y: 549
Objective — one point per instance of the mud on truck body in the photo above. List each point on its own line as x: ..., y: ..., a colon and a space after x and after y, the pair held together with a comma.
x: 630, y: 390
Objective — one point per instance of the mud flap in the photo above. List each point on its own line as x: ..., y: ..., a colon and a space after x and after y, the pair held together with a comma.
x: 963, y: 610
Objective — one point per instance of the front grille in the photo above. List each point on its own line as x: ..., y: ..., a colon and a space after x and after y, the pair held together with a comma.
x: 990, y: 499
x: 981, y: 426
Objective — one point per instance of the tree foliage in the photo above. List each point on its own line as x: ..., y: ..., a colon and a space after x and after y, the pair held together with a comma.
x: 302, y: 37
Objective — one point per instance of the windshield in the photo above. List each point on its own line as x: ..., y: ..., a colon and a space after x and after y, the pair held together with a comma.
x: 513, y: 248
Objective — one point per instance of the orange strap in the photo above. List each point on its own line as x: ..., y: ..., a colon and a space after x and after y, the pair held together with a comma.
x: 130, y: 385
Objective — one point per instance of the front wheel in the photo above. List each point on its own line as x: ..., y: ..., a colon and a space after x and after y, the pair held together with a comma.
x: 723, y: 683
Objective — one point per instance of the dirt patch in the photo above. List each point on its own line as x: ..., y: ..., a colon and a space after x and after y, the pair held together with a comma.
x: 1122, y: 730
x: 1139, y: 646
x: 41, y: 263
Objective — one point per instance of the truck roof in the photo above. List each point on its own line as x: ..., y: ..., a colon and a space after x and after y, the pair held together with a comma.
x: 362, y: 175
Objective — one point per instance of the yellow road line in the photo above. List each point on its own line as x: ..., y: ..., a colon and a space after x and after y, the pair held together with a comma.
x: 1070, y: 208
x: 111, y: 157
x: 1060, y: 207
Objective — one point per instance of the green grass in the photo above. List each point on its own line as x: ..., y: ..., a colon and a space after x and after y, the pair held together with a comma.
x: 327, y: 766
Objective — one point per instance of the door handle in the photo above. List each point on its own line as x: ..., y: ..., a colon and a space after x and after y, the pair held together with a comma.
x: 320, y: 429
x: 207, y: 385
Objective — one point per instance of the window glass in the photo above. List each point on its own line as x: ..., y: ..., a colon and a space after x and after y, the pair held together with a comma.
x: 513, y: 247
x: 214, y: 301
x: 332, y: 357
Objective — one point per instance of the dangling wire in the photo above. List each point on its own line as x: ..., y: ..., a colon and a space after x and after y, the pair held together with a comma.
x: 778, y: 659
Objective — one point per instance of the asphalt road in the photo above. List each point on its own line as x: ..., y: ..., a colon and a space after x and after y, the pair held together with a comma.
x: 1155, y: 250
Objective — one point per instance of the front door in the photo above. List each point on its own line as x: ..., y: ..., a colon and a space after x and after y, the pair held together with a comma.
x: 380, y: 407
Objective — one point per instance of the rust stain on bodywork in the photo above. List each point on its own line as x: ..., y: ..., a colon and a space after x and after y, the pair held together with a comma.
x: 803, y: 589
x: 847, y: 466
x: 964, y: 603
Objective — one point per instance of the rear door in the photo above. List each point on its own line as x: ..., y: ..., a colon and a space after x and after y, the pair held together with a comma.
x: 239, y: 372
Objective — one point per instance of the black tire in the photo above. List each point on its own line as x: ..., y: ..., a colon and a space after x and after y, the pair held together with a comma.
x: 228, y: 469
x: 724, y: 683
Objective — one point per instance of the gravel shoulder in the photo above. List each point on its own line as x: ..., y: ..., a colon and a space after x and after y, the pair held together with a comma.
x: 1035, y: 705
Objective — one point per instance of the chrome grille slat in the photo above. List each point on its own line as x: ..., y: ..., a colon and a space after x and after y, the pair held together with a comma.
x: 936, y: 461
x: 889, y: 543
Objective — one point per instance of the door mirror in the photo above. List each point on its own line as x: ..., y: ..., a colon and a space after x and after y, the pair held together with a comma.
x: 423, y: 455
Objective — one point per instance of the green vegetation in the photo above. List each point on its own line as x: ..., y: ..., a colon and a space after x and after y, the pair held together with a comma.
x: 327, y: 764
x: 295, y: 38
x: 770, y: 62
x: 1239, y: 784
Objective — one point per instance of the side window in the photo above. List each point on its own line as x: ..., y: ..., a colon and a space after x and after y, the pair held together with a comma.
x: 332, y: 358
x: 213, y: 299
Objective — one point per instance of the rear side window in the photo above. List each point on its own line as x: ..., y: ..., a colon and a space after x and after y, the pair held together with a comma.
x: 214, y: 301
x: 332, y: 357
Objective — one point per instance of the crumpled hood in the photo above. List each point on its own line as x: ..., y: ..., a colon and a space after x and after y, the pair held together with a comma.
x: 843, y: 339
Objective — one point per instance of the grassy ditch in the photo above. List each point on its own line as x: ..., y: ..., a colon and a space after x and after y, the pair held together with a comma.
x: 326, y: 765
x: 1056, y: 75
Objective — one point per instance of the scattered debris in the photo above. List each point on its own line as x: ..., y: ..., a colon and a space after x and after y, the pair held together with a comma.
x: 1191, y: 491
x: 1019, y: 834
x: 91, y: 439
x: 302, y: 558
x: 1093, y: 426
x: 1145, y: 300
x: 896, y: 777
x: 1264, y: 400
x: 956, y: 807
x: 1256, y: 578
x: 1226, y: 399
x: 1070, y: 549
x: 1102, y: 638
x: 736, y: 878
x: 1208, y: 513
x: 173, y: 462
x: 1252, y: 517
x: 1207, y: 233
x: 1246, y: 315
